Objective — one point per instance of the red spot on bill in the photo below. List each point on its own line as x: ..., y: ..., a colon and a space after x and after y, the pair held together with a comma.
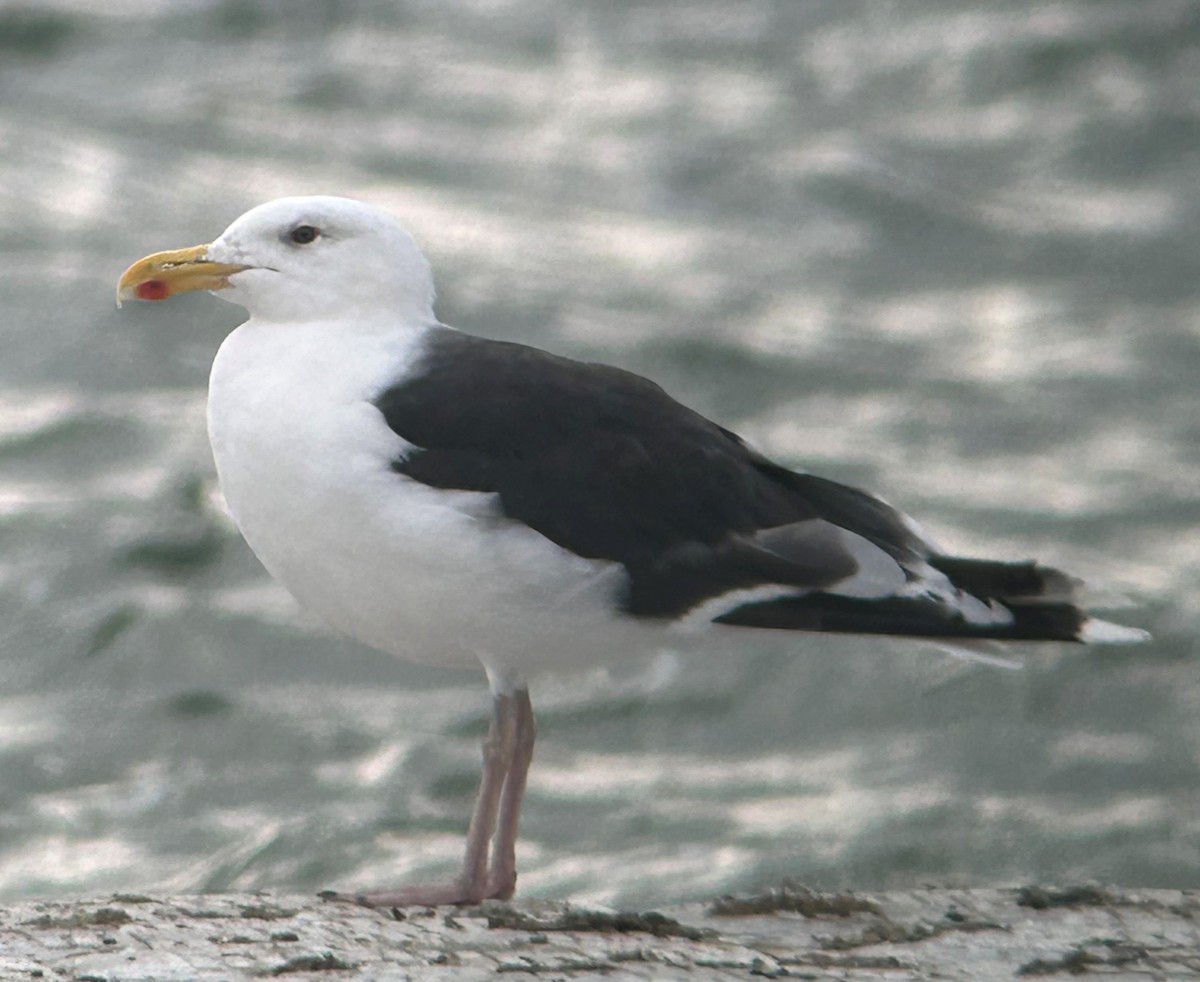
x: 152, y: 290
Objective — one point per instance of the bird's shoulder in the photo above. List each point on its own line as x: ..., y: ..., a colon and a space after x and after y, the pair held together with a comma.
x: 544, y: 430
x: 465, y: 391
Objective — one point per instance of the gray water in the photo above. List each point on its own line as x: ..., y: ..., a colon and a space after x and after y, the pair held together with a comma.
x: 946, y: 251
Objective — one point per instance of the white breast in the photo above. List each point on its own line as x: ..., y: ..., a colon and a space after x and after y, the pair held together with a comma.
x: 304, y: 459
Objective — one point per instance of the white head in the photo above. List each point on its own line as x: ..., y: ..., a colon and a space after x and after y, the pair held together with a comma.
x: 297, y: 259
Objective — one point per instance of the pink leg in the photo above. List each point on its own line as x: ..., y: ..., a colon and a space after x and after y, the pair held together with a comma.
x: 502, y: 880
x: 472, y: 884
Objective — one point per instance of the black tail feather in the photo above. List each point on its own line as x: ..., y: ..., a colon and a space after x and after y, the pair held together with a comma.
x: 908, y: 616
x: 992, y: 580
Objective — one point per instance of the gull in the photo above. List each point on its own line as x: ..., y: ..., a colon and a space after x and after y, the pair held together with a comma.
x: 455, y: 500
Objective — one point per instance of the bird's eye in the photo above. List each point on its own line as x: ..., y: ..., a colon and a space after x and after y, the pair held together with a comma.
x: 304, y: 234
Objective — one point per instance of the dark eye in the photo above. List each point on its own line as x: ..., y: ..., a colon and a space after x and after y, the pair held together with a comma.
x: 304, y: 234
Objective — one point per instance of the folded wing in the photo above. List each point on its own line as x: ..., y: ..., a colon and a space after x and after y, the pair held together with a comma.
x: 607, y: 465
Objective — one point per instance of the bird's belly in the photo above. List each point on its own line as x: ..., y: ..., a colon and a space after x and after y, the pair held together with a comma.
x: 431, y: 575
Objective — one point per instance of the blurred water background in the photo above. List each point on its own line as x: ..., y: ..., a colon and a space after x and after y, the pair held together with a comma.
x: 943, y: 250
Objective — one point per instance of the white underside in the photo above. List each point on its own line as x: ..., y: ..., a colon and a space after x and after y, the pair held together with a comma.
x: 432, y: 576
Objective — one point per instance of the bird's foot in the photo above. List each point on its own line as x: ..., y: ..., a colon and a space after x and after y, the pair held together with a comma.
x: 502, y: 885
x: 453, y: 893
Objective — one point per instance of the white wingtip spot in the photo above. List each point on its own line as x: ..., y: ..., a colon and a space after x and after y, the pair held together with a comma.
x: 975, y: 611
x: 1095, y: 631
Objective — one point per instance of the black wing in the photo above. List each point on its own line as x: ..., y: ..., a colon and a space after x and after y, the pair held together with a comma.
x: 604, y: 463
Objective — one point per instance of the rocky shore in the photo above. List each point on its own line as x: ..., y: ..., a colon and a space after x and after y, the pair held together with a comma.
x: 978, y: 935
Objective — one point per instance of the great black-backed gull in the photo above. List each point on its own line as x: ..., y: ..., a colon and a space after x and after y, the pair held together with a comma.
x: 458, y: 500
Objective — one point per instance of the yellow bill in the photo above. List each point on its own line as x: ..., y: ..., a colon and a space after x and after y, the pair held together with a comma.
x: 165, y: 274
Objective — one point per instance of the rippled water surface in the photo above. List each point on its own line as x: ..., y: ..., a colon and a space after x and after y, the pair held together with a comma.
x: 947, y: 251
